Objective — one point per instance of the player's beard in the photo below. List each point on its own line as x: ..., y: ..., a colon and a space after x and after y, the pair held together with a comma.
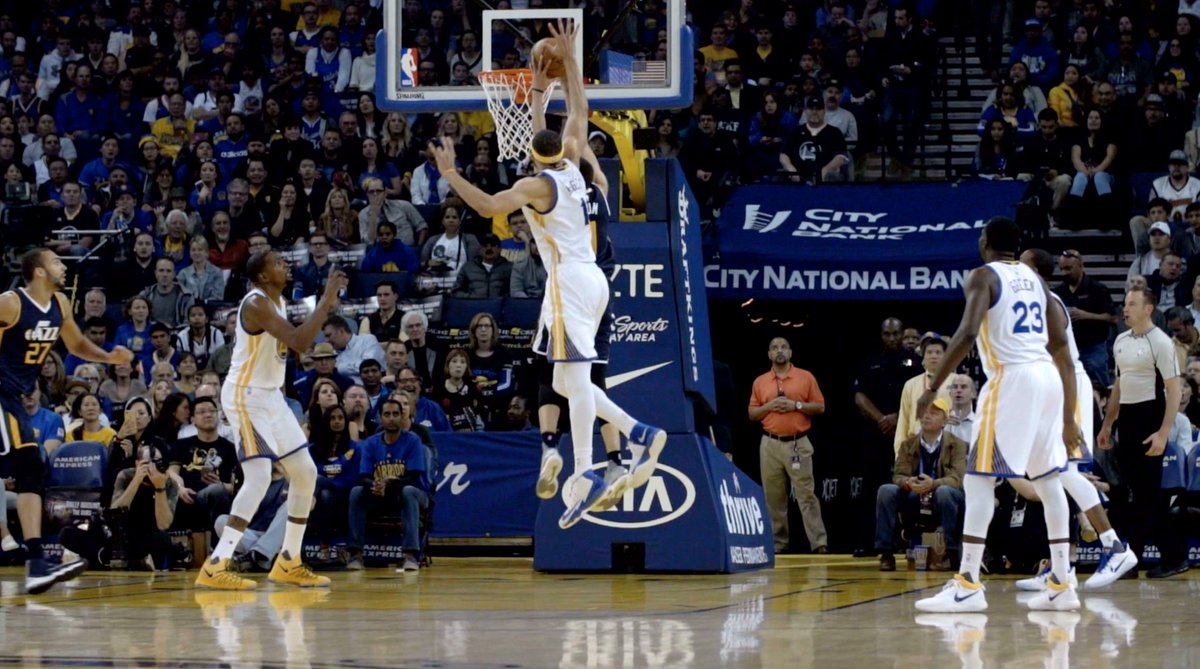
x: 60, y: 282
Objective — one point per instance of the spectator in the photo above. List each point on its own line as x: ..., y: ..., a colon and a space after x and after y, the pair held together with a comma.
x: 1038, y: 54
x: 1009, y: 108
x: 783, y: 399
x: 351, y: 349
x: 384, y: 324
x: 961, y: 420
x: 80, y: 114
x: 290, y: 224
x: 428, y: 186
x: 311, y: 276
x: 716, y: 54
x: 372, y: 383
x: 995, y: 155
x: 1090, y: 307
x: 927, y: 480
x: 149, y: 496
x: 1084, y: 55
x: 262, y: 539
x: 1148, y: 263
x: 1033, y: 96
x: 122, y: 385
x: 1187, y: 241
x: 528, y: 274
x: 1154, y: 137
x: 96, y: 329
x: 91, y: 421
x: 932, y: 349
x: 358, y: 410
x: 73, y: 214
x: 459, y: 398
x: 424, y: 350
x: 1170, y: 207
x: 1182, y: 326
x: 134, y: 333
x: 815, y: 151
x: 769, y: 129
x: 162, y: 351
x: 1168, y: 284
x: 199, y: 337
x: 1066, y: 99
x: 125, y: 214
x: 707, y: 158
x: 410, y: 228
x: 396, y: 352
x: 840, y: 118
x: 1093, y: 156
x: 203, y: 281
x: 486, y: 275
x: 203, y: 467
x: 389, y: 255
x: 1047, y: 156
x: 394, y: 472
x: 174, y: 131
x: 168, y: 300
x: 428, y: 413
x: 175, y: 243
x: 1129, y: 74
x: 491, y: 368
x: 338, y: 459
x: 905, y: 60
x: 47, y: 426
x: 244, y: 217
x: 446, y: 253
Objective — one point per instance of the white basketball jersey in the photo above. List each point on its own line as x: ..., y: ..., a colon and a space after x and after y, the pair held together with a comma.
x: 1014, y: 329
x: 562, y: 232
x: 259, y: 360
x: 1070, y: 337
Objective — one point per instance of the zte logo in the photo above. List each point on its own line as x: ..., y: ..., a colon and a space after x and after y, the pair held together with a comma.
x: 763, y: 221
x: 666, y: 496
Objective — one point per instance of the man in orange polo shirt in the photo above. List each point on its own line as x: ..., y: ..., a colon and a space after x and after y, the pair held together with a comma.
x: 783, y: 400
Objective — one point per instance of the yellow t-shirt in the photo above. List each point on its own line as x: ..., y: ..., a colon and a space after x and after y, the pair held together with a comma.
x: 104, y: 435
x: 170, y: 141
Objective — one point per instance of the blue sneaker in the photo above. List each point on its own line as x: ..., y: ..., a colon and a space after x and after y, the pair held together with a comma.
x: 645, y: 444
x: 586, y: 493
x: 1112, y: 567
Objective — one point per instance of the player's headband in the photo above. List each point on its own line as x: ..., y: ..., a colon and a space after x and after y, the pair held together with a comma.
x: 549, y: 160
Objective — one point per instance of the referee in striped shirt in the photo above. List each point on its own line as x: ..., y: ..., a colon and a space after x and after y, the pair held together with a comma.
x: 1143, y: 404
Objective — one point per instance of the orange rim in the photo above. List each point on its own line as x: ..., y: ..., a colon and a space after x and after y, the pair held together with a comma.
x: 519, y: 81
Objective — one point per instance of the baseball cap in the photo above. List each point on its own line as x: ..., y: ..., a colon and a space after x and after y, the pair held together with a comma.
x: 1033, y: 23
x: 1168, y: 76
x: 118, y: 191
x: 813, y: 102
x: 323, y: 350
x: 941, y: 402
x: 1161, y: 226
x: 931, y: 337
x: 490, y: 238
x: 1177, y: 156
x: 596, y: 133
x: 1154, y: 99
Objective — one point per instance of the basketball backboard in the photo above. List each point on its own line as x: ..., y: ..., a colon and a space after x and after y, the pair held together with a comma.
x: 634, y: 59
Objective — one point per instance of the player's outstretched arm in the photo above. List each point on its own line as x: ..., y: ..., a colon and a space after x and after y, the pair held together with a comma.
x: 259, y: 313
x: 574, y: 133
x: 80, y: 345
x: 538, y: 92
x: 525, y: 191
x: 1060, y: 351
x: 980, y: 287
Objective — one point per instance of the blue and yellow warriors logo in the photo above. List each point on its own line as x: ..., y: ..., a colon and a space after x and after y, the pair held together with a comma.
x: 40, y: 338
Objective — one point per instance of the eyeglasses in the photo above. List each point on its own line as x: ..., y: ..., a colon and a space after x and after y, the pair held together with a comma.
x: 375, y: 191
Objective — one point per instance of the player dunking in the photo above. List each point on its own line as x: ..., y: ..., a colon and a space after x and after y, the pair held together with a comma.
x: 31, y: 321
x: 617, y: 478
x: 1023, y: 423
x: 1116, y: 559
x: 266, y: 429
x: 576, y: 289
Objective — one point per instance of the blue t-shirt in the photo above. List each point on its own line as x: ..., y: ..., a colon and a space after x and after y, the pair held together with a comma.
x: 343, y: 470
x: 47, y: 425
x: 381, y: 460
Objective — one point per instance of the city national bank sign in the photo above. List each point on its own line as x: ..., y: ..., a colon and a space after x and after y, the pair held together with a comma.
x: 908, y: 241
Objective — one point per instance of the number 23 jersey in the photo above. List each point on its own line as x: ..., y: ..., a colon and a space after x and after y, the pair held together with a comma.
x: 1014, y: 329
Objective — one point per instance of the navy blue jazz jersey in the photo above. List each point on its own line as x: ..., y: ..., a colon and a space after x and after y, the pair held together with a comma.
x: 606, y: 259
x: 24, y: 345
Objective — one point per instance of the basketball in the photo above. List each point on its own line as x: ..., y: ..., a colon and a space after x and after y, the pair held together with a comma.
x: 548, y: 48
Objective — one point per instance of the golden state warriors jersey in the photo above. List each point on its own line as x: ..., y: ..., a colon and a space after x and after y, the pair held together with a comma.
x: 1014, y: 329
x: 1075, y: 361
x: 562, y: 232
x: 259, y: 360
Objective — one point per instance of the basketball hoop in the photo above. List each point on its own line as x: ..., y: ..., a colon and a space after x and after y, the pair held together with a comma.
x: 508, y: 97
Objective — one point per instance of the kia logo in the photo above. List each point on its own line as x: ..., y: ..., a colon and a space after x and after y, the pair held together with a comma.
x: 666, y: 496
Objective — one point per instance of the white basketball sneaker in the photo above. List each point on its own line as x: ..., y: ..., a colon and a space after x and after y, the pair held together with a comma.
x: 584, y: 492
x: 547, y: 483
x: 1056, y: 597
x: 959, y: 595
x: 1038, y: 583
x: 1113, y: 566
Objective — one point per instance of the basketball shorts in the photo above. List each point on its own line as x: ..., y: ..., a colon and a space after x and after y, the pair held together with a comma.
x: 18, y: 444
x: 1019, y: 432
x: 1085, y: 418
x: 263, y: 425
x: 574, y: 305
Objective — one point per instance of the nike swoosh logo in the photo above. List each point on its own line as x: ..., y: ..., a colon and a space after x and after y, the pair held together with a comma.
x: 958, y: 599
x: 1056, y: 595
x: 625, y: 377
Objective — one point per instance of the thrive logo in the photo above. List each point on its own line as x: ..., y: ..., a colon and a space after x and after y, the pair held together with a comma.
x: 762, y: 221
x: 743, y: 515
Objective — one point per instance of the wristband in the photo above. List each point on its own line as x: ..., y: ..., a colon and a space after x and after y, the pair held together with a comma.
x: 158, y: 490
x: 539, y: 90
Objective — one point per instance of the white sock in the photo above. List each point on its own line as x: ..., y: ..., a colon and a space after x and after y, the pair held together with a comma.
x: 229, y: 541
x: 1059, y: 562
x: 1110, y: 539
x: 972, y: 557
x: 293, y: 539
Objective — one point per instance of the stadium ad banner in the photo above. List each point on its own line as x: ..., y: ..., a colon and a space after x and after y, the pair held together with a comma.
x: 838, y: 242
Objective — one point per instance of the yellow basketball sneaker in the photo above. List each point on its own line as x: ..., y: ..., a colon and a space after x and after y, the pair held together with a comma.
x: 292, y: 571
x: 216, y: 574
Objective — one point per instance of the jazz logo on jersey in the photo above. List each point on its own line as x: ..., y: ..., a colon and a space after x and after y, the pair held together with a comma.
x: 41, y: 338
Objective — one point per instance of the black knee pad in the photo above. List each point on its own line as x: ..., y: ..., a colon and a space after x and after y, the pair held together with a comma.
x: 29, y: 470
x: 548, y: 397
x: 598, y: 373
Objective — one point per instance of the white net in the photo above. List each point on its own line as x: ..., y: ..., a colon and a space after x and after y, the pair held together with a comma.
x: 508, y: 98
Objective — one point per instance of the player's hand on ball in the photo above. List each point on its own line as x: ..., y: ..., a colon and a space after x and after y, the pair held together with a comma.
x: 564, y: 32
x: 120, y: 356
x: 541, y: 74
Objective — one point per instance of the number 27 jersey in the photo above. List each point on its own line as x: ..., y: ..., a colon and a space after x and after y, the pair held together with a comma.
x: 1014, y: 329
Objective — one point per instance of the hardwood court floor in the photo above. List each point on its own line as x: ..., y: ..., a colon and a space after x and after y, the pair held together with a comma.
x: 809, y: 611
